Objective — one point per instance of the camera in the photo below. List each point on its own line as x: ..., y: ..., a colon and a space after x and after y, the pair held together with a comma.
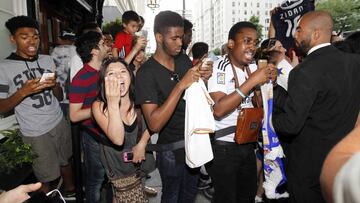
x: 128, y: 156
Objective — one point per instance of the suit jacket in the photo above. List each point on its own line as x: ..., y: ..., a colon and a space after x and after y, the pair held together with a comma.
x: 320, y: 108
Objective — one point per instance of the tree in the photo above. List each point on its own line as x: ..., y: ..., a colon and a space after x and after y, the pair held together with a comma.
x: 113, y: 27
x: 216, y: 51
x: 346, y: 13
x: 255, y: 20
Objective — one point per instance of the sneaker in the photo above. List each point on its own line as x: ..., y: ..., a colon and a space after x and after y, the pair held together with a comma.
x: 150, y: 191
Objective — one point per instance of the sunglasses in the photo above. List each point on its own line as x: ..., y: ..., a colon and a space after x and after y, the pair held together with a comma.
x: 174, y: 77
x: 271, y: 43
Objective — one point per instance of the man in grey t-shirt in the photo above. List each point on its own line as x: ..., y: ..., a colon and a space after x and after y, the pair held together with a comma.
x: 36, y: 103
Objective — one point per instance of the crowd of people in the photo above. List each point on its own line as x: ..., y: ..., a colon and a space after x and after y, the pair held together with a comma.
x: 121, y: 97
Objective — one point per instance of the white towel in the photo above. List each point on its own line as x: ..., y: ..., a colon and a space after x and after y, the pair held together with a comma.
x: 199, y: 122
x: 284, y: 68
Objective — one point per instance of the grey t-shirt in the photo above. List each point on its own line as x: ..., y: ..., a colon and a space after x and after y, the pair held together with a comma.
x: 39, y: 113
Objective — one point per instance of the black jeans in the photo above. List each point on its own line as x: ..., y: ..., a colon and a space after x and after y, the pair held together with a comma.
x: 233, y: 172
x: 179, y: 182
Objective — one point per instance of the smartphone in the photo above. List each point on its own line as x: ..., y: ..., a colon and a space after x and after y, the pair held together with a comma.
x: 128, y: 156
x: 46, y: 75
x: 262, y: 63
x: 141, y: 33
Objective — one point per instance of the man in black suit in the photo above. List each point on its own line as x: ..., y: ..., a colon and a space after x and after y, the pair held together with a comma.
x: 320, y: 107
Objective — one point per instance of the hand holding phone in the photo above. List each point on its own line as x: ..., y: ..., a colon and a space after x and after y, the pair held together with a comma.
x: 46, y: 76
x: 262, y: 63
x: 128, y: 156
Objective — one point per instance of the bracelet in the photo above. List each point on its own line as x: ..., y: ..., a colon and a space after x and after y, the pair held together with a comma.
x: 240, y: 93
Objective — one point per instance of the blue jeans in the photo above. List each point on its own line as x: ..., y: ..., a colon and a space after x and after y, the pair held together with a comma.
x: 179, y: 182
x: 95, y: 172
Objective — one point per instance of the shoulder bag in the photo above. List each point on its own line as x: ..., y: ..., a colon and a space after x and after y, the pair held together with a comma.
x: 249, y: 119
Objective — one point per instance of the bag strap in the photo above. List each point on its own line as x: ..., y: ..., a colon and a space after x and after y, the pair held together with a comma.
x: 247, y: 69
x: 255, y: 95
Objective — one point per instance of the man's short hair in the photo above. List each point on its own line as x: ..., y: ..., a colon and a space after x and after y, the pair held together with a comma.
x: 86, y: 27
x: 199, y: 49
x: 166, y: 19
x: 87, y: 42
x: 235, y: 29
x: 187, y: 25
x: 19, y: 22
x: 130, y: 16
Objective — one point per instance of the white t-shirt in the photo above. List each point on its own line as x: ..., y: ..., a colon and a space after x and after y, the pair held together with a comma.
x: 75, y: 65
x: 222, y: 80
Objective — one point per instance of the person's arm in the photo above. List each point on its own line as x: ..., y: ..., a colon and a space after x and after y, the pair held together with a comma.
x: 58, y: 92
x: 157, y: 116
x: 110, y: 121
x: 139, y: 148
x: 335, y: 160
x: 302, y: 93
x: 224, y: 104
x: 271, y: 33
x: 30, y: 87
x: 77, y: 113
x: 140, y: 43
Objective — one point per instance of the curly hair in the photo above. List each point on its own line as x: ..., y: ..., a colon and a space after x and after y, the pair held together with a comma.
x: 86, y: 43
x: 19, y: 22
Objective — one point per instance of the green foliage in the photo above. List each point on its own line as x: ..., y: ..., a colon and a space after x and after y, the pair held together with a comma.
x: 217, y: 51
x: 346, y: 13
x: 113, y: 27
x: 255, y: 20
x: 13, y: 152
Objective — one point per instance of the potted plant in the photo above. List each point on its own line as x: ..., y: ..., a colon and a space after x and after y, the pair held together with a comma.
x: 16, y: 158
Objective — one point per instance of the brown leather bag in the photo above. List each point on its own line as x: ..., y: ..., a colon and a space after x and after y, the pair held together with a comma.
x: 249, y: 119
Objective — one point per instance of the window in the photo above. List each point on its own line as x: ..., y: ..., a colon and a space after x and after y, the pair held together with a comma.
x: 233, y: 20
x: 266, y: 5
x: 245, y: 4
x: 233, y: 3
x: 258, y: 5
x: 233, y: 12
x: 266, y: 13
x: 258, y: 13
x: 245, y: 12
x: 267, y: 20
